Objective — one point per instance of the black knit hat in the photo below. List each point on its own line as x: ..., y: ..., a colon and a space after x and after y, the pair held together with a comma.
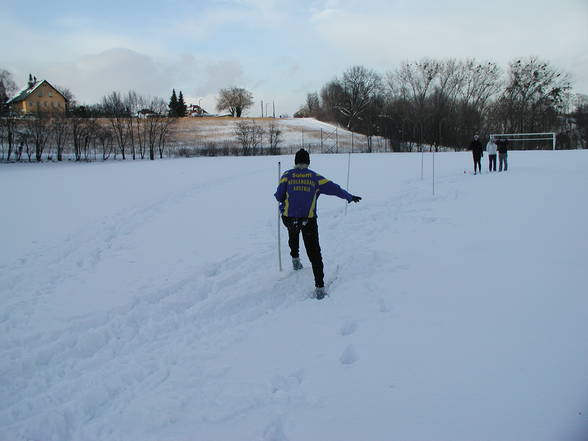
x: 302, y: 157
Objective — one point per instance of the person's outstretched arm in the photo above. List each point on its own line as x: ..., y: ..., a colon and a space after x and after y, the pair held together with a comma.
x: 332, y: 189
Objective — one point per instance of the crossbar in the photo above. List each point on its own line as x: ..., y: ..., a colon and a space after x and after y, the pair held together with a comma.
x: 552, y: 138
x: 524, y: 134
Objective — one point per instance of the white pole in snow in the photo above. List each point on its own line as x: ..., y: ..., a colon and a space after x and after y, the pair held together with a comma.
x: 433, y: 171
x: 348, y: 169
x: 279, y: 235
x: 422, y: 160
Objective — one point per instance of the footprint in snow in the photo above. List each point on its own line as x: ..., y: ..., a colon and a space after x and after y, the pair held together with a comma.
x: 274, y: 431
x: 348, y: 328
x: 288, y: 383
x: 383, y: 305
x: 349, y: 355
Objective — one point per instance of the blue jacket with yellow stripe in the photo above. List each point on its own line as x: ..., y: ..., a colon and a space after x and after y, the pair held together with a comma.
x: 299, y: 189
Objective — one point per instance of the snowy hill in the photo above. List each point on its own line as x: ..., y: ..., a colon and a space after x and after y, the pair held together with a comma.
x: 295, y: 132
x: 143, y: 302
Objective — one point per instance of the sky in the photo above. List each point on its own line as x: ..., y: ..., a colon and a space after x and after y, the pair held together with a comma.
x: 280, y: 50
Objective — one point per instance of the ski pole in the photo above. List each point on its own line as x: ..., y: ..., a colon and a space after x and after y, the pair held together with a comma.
x: 348, y: 169
x: 422, y: 160
x: 279, y: 235
x: 433, y: 171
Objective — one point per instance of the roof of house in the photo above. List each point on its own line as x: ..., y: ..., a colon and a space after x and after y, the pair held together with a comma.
x: 27, y: 91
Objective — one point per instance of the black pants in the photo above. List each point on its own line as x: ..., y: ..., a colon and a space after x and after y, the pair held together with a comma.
x: 477, y: 162
x: 492, y: 163
x: 309, y: 229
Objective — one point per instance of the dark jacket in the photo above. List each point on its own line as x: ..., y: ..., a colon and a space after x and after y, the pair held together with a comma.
x: 299, y: 190
x: 502, y: 146
x: 476, y: 147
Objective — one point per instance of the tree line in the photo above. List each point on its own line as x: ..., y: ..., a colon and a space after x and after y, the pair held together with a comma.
x: 445, y: 102
x: 128, y: 125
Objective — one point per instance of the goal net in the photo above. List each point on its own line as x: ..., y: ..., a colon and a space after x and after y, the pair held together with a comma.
x: 528, y: 141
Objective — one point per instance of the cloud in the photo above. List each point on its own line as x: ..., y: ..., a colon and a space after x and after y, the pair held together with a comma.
x: 324, y: 14
x: 382, y: 39
x: 221, y: 74
x: 90, y: 77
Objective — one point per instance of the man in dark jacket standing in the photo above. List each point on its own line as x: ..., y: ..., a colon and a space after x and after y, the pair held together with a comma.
x: 502, y: 145
x: 297, y: 193
x: 476, y: 148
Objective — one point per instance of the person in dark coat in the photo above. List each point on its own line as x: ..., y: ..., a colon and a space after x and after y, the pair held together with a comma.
x: 502, y: 145
x: 297, y: 193
x: 477, y: 152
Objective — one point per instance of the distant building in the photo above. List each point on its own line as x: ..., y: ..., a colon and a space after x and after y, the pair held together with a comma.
x: 146, y: 113
x: 37, y: 96
x: 196, y: 110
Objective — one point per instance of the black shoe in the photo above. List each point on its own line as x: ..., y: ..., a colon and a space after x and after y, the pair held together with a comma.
x: 320, y: 292
x: 296, y: 264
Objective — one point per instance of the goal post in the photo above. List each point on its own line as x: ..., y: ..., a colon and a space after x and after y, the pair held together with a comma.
x: 548, y: 136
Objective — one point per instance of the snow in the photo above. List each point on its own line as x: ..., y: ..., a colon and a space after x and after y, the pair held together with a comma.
x: 293, y: 132
x: 142, y: 301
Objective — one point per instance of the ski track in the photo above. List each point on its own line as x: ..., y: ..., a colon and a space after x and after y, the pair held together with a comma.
x: 114, y: 354
x: 91, y: 351
x: 82, y: 251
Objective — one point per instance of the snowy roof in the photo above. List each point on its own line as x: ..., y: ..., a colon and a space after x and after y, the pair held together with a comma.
x: 28, y: 90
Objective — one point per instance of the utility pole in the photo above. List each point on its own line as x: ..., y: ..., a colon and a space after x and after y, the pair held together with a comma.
x: 274, y: 107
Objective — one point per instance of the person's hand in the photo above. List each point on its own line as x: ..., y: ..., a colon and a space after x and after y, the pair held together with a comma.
x: 355, y: 198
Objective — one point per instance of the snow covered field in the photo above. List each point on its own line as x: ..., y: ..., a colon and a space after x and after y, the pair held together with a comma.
x: 142, y: 301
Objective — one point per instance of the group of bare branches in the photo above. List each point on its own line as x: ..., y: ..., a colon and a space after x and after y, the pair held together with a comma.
x: 251, y: 136
x: 445, y: 102
x: 130, y: 126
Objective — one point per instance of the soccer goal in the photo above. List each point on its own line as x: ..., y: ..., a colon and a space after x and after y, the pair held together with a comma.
x: 528, y: 138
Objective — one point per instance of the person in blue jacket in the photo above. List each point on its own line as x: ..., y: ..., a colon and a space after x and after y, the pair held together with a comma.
x: 297, y: 193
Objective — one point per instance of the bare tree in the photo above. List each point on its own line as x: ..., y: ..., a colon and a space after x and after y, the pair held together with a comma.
x: 448, y: 83
x: 106, y: 141
x: 157, y: 127
x: 60, y: 131
x: 332, y: 96
x: 2, y: 139
x: 235, y: 100
x: 413, y: 83
x: 24, y: 145
x: 135, y: 125
x: 274, y: 135
x: 249, y: 136
x: 580, y: 115
x: 38, y: 128
x: 481, y: 81
x: 70, y: 99
x: 360, y: 88
x: 83, y: 131
x: 7, y: 89
x: 9, y: 127
x: 118, y: 114
x: 534, y: 96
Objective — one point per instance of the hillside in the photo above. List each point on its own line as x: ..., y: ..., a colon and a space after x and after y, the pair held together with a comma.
x: 143, y: 302
x: 295, y: 132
